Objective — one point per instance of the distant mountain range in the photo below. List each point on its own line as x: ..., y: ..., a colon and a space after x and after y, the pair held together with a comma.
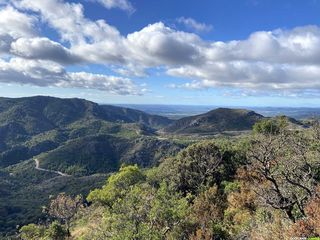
x: 180, y: 111
x: 77, y: 135
x: 55, y: 127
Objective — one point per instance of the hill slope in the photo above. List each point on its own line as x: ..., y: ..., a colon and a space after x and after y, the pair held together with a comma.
x: 129, y: 115
x: 103, y: 154
x: 215, y: 121
x: 79, y: 137
x: 34, y: 115
x: 30, y: 126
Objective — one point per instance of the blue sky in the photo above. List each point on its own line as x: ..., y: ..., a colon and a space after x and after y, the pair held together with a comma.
x: 209, y: 52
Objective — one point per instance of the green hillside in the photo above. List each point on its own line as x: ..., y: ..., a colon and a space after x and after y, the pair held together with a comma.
x: 215, y: 121
x: 30, y: 126
x: 51, y: 145
x: 74, y: 136
x: 104, y: 153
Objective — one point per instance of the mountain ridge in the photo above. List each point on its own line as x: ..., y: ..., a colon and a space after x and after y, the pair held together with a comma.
x: 215, y: 121
x: 32, y: 125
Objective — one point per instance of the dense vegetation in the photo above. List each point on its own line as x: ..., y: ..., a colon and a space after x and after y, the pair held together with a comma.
x: 30, y: 126
x: 74, y: 136
x: 52, y: 150
x: 261, y: 186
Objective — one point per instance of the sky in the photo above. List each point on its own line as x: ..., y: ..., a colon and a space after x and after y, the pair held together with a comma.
x: 208, y: 52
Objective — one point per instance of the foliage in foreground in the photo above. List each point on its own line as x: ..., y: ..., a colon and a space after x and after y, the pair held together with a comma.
x: 262, y: 187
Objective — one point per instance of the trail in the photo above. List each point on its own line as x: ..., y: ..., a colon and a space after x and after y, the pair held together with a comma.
x: 47, y: 170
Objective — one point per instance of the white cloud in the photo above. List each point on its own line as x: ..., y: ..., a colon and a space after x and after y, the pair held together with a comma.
x: 5, y: 41
x: 16, y: 24
x: 39, y: 73
x: 157, y: 44
x: 192, y: 24
x: 112, y: 84
x: 69, y: 21
x: 287, y: 60
x: 46, y: 73
x: 121, y: 4
x: 244, y: 75
x: 44, y: 49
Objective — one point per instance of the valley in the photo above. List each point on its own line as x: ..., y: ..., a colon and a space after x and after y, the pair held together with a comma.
x: 51, y: 145
x: 159, y: 120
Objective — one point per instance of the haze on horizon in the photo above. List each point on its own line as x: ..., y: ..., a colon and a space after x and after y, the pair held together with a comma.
x: 218, y: 53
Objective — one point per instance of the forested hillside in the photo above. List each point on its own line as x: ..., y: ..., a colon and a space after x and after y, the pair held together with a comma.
x: 163, y: 180
x: 41, y: 137
x: 265, y: 185
x: 215, y: 121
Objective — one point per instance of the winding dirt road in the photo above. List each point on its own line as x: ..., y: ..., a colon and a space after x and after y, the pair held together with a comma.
x: 47, y: 170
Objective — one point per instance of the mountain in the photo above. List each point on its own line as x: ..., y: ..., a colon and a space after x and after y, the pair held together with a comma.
x: 30, y: 126
x: 50, y: 145
x: 215, y: 121
x: 34, y: 115
x: 105, y: 153
x: 129, y: 115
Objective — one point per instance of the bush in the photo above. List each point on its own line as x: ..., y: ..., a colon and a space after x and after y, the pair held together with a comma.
x: 56, y: 231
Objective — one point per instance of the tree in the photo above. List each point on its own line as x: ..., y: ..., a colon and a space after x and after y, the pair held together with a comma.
x: 168, y: 213
x: 134, y: 209
x: 117, y: 185
x: 207, y: 213
x: 64, y: 208
x: 310, y: 225
x: 56, y: 231
x: 194, y: 168
x: 270, y: 126
x: 241, y: 208
x: 282, y: 170
x: 202, y: 165
x: 31, y: 232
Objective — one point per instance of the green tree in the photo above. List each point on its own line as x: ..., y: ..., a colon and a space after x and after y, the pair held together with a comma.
x: 134, y: 209
x: 31, y: 232
x: 56, y: 231
x: 168, y: 214
x: 271, y: 126
x: 202, y: 165
x: 117, y: 185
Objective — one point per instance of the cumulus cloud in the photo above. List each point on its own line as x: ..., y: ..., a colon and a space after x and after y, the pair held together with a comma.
x: 70, y: 21
x: 46, y: 73
x: 5, y: 42
x: 157, y: 44
x: 192, y: 24
x: 287, y: 60
x: 112, y: 84
x: 299, y: 45
x: 253, y: 76
x: 16, y: 24
x: 121, y: 4
x: 39, y: 73
x: 278, y: 60
x: 44, y: 49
